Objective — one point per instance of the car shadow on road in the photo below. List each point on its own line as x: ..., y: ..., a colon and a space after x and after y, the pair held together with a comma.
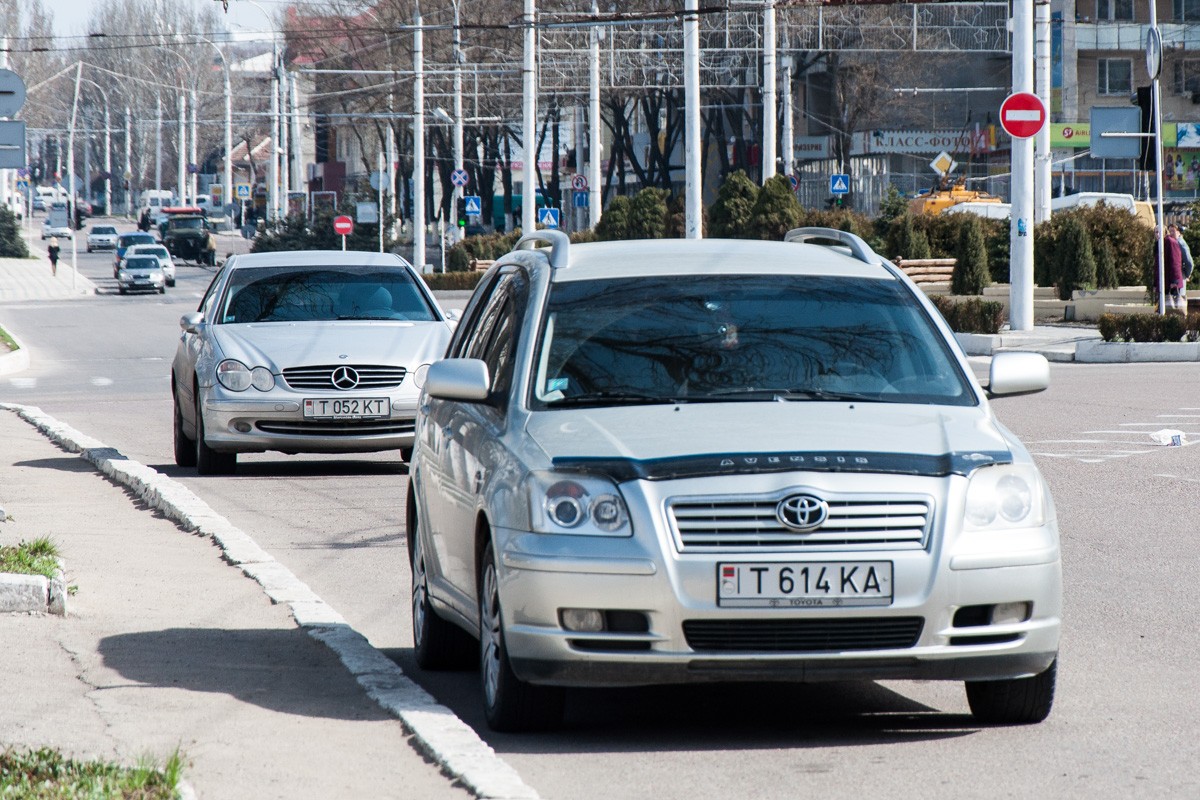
x: 280, y: 670
x: 295, y: 469
x: 715, y: 716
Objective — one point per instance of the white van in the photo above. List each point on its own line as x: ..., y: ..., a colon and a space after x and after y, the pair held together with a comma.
x: 1139, y: 208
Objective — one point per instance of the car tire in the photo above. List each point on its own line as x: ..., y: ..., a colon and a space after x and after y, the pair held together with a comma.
x: 509, y: 703
x: 185, y: 448
x: 209, y: 461
x: 121, y: 289
x: 1018, y: 701
x: 171, y: 283
x: 437, y: 643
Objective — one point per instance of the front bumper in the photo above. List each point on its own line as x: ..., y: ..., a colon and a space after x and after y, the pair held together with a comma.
x: 133, y: 284
x: 689, y: 637
x: 276, y: 422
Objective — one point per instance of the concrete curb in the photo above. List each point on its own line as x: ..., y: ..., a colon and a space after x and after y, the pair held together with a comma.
x: 14, y: 360
x: 437, y: 732
x: 33, y: 594
x: 1101, y: 352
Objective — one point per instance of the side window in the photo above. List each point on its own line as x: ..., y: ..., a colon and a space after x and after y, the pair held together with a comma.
x: 471, y: 321
x: 499, y: 353
x: 206, y: 303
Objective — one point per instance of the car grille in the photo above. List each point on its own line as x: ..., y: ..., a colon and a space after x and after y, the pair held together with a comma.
x: 337, y: 428
x: 889, y: 523
x: 803, y: 635
x: 370, y: 376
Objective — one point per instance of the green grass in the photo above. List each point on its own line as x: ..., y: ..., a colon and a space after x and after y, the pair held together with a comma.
x: 6, y: 341
x: 46, y: 774
x: 30, y: 558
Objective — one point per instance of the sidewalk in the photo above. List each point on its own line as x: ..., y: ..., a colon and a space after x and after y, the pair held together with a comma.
x: 166, y: 646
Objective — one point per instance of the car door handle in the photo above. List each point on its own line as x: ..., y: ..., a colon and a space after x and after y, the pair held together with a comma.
x: 478, y: 481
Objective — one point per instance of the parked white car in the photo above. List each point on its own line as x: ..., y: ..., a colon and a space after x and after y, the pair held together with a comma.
x: 161, y: 253
x: 303, y: 352
x: 697, y: 460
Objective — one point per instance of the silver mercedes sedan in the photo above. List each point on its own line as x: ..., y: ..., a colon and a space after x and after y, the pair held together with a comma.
x: 303, y: 351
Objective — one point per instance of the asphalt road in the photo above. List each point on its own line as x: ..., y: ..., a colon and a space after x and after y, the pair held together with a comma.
x: 1125, y: 723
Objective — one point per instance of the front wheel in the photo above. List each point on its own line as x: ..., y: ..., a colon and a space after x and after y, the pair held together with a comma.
x: 509, y: 703
x: 1017, y: 701
x: 209, y: 461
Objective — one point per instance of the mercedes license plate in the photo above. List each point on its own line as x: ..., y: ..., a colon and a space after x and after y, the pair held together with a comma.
x: 346, y: 408
x: 805, y: 584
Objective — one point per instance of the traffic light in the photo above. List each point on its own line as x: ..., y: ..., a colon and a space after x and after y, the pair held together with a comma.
x: 1145, y: 101
x: 461, y: 209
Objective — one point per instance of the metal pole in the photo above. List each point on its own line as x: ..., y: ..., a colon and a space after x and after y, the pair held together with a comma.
x: 418, y: 145
x: 1156, y: 99
x: 181, y: 161
x: 297, y: 151
x: 273, y: 169
x: 788, y: 135
x: 691, y: 101
x: 458, y: 232
x: 1041, y: 208
x: 769, y: 106
x: 529, y: 123
x: 128, y: 162
x: 379, y: 163
x: 194, y: 163
x: 1021, y: 227
x: 227, y: 187
x: 595, y: 197
x: 285, y: 147
x: 158, y: 137
x: 71, y: 175
x: 108, y: 209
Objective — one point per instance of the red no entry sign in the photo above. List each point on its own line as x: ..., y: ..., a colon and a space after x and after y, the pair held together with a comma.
x: 1022, y: 115
x: 343, y: 226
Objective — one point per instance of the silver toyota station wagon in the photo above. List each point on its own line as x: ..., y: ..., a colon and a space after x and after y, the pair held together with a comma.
x: 652, y: 462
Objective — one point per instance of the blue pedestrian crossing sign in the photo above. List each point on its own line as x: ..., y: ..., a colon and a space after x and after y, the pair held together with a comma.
x: 473, y: 205
x: 242, y: 191
x: 548, y: 217
x: 839, y: 184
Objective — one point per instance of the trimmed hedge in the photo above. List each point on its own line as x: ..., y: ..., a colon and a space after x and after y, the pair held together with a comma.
x: 1149, y: 328
x: 452, y: 281
x: 972, y: 315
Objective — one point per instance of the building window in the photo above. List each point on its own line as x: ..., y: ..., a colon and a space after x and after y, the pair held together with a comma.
x: 1115, y: 76
x: 1121, y: 10
x: 1187, y: 76
x: 1186, y: 10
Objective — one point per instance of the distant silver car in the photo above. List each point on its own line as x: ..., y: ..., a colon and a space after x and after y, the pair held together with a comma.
x: 141, y: 273
x: 307, y: 351
x: 161, y: 253
x: 101, y: 237
x: 702, y: 460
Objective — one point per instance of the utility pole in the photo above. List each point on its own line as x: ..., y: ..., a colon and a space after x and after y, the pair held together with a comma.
x: 459, y: 233
x: 769, y: 106
x: 595, y: 196
x: 128, y: 162
x: 693, y: 222
x: 194, y: 164
x: 71, y: 175
x: 529, y: 123
x: 181, y: 154
x: 1041, y: 204
x: 158, y: 129
x: 418, y: 144
x: 1021, y: 226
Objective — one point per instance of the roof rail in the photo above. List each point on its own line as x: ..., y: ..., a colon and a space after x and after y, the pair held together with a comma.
x: 559, y: 242
x: 861, y: 250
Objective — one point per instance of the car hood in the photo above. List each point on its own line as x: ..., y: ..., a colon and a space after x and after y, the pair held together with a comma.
x: 718, y: 438
x: 280, y: 345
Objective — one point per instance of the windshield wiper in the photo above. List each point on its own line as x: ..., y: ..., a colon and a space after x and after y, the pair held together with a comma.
x: 793, y: 393
x: 614, y: 397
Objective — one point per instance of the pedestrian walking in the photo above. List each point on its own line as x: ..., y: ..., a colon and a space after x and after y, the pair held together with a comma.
x: 1185, y: 254
x: 53, y: 250
x: 1174, y: 298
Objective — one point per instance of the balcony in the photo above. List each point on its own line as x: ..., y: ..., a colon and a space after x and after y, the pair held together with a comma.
x: 1108, y: 36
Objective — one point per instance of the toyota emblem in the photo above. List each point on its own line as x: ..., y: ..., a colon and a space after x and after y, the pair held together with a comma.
x: 802, y: 512
x: 344, y: 378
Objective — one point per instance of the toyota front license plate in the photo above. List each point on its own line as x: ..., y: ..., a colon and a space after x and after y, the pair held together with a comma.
x: 805, y: 584
x: 349, y: 408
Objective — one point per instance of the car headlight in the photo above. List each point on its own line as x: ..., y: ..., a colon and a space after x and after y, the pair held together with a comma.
x: 581, y: 505
x: 237, y: 377
x: 1005, y: 496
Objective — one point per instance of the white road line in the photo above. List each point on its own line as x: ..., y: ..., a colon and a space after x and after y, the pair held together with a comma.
x: 436, y: 731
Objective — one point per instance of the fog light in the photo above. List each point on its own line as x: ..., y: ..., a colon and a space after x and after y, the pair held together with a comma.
x: 242, y: 427
x: 1011, y: 613
x: 584, y: 620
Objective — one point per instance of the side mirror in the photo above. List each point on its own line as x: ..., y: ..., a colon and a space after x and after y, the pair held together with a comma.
x: 1018, y: 373
x: 191, y: 321
x: 458, y: 379
x: 454, y: 315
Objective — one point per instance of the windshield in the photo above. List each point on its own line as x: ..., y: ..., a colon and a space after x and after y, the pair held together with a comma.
x: 104, y: 231
x: 193, y: 224
x: 141, y: 262
x: 741, y: 337
x: 289, y: 294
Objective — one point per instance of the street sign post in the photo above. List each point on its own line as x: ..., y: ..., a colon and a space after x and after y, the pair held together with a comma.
x: 548, y: 217
x: 839, y: 184
x: 343, y: 226
x: 1022, y: 115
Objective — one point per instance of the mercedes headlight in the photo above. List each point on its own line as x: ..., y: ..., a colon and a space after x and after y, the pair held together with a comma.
x: 582, y: 505
x: 237, y: 377
x: 1005, y: 496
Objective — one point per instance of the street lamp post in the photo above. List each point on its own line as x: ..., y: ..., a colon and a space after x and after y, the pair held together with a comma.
x: 227, y: 177
x: 107, y: 148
